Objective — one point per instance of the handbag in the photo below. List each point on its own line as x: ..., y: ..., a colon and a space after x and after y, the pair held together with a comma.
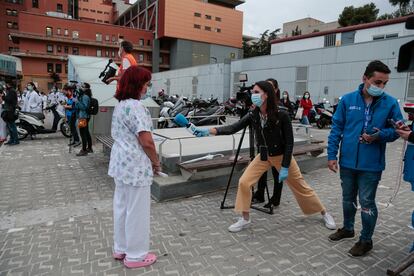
x: 299, y: 113
x: 82, y: 123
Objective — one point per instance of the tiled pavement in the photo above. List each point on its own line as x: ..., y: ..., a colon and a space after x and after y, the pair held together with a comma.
x: 56, y: 219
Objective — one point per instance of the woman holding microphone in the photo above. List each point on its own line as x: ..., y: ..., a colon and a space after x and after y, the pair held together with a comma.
x: 273, y: 130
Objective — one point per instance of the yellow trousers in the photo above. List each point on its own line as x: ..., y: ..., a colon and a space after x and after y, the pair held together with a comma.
x: 305, y: 196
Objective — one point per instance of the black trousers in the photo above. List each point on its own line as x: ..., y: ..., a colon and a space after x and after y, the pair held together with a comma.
x: 277, y: 191
x: 56, y: 119
x: 86, y: 137
x: 73, y: 128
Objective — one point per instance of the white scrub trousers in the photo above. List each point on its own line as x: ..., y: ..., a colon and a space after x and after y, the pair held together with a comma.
x: 132, y: 220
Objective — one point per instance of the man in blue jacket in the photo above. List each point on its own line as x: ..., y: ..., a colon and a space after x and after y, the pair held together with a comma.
x: 361, y: 129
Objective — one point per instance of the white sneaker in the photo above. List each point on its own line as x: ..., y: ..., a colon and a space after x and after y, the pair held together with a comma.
x: 329, y: 221
x: 239, y: 225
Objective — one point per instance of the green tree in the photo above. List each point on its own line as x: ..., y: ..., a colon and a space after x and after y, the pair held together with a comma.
x: 262, y: 46
x: 354, y: 16
x: 405, y: 7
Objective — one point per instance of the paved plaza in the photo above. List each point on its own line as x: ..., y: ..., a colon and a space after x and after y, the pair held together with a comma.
x: 56, y: 219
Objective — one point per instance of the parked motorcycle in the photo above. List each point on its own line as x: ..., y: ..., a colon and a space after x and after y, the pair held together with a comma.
x: 29, y: 123
x: 325, y: 116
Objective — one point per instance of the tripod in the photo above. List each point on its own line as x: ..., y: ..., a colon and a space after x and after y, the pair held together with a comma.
x: 252, y: 156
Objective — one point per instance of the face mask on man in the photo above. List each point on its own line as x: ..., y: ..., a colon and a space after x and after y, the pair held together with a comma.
x: 257, y: 100
x: 375, y: 91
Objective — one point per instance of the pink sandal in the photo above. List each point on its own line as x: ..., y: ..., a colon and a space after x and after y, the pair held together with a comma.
x: 118, y: 256
x: 149, y: 260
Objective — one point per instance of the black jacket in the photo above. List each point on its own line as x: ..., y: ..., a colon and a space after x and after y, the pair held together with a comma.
x: 10, y: 100
x: 278, y: 136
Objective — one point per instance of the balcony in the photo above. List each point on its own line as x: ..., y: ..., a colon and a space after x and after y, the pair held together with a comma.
x: 38, y: 55
x: 68, y: 40
x: 227, y: 3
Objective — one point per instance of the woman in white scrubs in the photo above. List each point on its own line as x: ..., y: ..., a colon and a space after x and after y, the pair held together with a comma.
x: 133, y: 162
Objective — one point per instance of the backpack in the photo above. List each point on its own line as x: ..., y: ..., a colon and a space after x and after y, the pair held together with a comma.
x: 93, y: 107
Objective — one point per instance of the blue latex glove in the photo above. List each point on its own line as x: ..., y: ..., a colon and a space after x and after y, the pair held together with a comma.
x: 201, y: 132
x: 283, y: 174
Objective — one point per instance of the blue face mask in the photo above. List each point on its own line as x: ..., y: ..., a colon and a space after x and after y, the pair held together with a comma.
x: 257, y: 100
x: 375, y: 91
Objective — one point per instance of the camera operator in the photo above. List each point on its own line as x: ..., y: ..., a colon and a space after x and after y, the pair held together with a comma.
x: 125, y: 53
x: 8, y: 113
x: 70, y: 112
x: 275, y: 137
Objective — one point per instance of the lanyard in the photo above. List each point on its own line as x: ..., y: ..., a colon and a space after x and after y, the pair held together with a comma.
x: 368, y: 116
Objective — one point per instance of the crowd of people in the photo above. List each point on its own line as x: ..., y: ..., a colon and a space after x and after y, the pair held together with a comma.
x: 361, y: 125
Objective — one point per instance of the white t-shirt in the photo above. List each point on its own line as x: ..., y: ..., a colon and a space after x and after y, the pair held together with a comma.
x: 129, y: 163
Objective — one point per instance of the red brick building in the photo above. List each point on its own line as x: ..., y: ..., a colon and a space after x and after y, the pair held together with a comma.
x: 39, y: 34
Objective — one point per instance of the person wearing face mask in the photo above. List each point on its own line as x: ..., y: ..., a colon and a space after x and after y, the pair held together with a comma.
x: 34, y: 100
x: 361, y: 128
x: 83, y: 116
x: 127, y: 60
x: 274, y: 133
x: 285, y: 101
x: 307, y: 105
x: 133, y: 163
x: 70, y: 113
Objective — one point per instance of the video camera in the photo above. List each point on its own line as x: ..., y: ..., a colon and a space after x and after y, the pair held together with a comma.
x: 244, y: 95
x: 108, y: 72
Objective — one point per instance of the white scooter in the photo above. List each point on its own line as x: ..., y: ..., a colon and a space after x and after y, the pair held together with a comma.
x: 33, y: 123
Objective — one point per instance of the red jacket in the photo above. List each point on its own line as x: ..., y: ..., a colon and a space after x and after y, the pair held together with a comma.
x: 307, y: 106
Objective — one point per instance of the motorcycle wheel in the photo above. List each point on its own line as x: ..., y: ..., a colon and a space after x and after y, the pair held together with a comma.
x: 22, y: 133
x: 65, y: 129
x: 320, y: 124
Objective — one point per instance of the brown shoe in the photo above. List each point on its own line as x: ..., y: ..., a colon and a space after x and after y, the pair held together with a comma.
x: 360, y: 249
x: 82, y: 153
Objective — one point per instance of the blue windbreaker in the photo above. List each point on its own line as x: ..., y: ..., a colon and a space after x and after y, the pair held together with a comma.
x: 348, y: 125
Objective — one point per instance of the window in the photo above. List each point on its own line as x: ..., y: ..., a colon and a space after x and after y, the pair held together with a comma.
x: 107, y: 22
x: 148, y: 42
x: 10, y: 25
x: 58, y: 31
x: 113, y: 38
x: 59, y: 8
x: 59, y: 48
x: 196, y: 26
x: 85, y: 9
x: 75, y: 51
x: 9, y: 37
x: 49, y: 48
x: 218, y: 30
x: 66, y: 32
x: 58, y: 68
x: 113, y: 54
x: 218, y: 19
x: 378, y: 37
x: 10, y: 49
x: 197, y: 14
x: 141, y: 58
x: 149, y: 58
x: 50, y: 67
x: 107, y: 38
x: 391, y: 35
x: 66, y: 50
x: 93, y: 10
x: 207, y: 28
x: 15, y: 25
x: 9, y: 12
x: 107, y: 53
x: 161, y: 61
x: 75, y: 34
x: 347, y: 38
x: 141, y: 42
x: 98, y: 52
x: 99, y: 12
x: 99, y: 37
x: 66, y: 68
x: 49, y: 31
x: 208, y: 16
x: 301, y: 80
x: 35, y: 4
x: 100, y: 21
x: 330, y: 40
x: 106, y: 13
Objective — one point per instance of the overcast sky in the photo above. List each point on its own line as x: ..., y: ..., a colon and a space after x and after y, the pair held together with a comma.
x: 260, y: 15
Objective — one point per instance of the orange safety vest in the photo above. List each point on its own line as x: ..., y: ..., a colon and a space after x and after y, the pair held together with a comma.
x: 131, y: 60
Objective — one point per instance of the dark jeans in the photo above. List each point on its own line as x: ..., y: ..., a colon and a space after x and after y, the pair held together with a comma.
x: 277, y: 191
x: 11, y: 127
x: 364, y: 185
x: 56, y: 119
x: 86, y: 137
x: 73, y: 128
